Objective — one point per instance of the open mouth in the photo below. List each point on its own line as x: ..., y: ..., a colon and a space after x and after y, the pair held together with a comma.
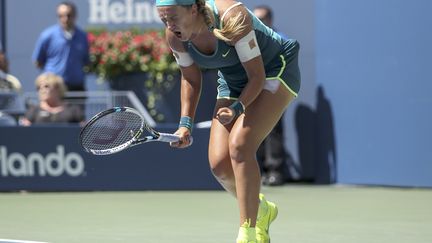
x: 178, y: 34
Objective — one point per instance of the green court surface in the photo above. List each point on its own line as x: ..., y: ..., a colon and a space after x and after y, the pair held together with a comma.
x: 307, y: 214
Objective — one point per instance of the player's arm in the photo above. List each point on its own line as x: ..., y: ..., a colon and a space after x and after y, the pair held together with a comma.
x: 246, y: 45
x: 191, y: 81
x: 247, y: 48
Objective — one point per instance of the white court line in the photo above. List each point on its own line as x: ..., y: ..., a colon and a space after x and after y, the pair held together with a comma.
x: 19, y: 241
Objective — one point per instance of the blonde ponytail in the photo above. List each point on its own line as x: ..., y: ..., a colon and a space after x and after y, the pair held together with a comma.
x: 233, y: 25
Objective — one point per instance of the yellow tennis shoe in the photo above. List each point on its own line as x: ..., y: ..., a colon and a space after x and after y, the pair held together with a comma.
x: 267, y: 213
x: 246, y: 234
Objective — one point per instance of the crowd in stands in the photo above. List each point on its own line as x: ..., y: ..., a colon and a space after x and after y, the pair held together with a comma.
x: 61, y: 52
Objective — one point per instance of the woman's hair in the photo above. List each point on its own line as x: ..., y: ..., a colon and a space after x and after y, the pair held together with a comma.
x: 232, y: 26
x: 53, y: 80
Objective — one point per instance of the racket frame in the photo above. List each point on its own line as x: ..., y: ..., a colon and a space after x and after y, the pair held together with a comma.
x: 136, y: 138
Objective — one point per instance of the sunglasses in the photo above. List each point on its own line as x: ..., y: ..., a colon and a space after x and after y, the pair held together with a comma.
x: 45, y: 86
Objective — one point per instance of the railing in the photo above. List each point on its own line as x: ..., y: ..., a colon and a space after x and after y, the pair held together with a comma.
x: 92, y: 101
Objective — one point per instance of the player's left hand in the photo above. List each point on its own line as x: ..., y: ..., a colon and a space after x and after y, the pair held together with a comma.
x: 225, y: 115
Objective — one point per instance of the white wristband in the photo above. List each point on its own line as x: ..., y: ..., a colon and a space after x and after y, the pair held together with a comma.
x: 247, y: 47
x: 183, y: 59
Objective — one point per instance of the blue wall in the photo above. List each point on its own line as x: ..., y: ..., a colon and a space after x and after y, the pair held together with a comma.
x: 60, y: 164
x: 374, y: 60
x: 371, y: 60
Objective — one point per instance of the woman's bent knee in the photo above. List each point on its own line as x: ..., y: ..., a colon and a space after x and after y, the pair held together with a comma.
x: 239, y: 152
x: 221, y: 166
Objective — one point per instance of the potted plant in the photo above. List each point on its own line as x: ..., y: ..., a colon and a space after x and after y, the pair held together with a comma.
x: 140, y: 60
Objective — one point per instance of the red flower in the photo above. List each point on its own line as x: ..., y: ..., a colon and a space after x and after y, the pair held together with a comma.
x: 129, y: 51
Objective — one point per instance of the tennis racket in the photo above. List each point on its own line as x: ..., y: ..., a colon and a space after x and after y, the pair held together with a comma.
x: 119, y: 128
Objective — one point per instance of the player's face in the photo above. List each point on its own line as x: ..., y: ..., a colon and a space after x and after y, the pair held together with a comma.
x: 180, y: 20
x: 66, y: 17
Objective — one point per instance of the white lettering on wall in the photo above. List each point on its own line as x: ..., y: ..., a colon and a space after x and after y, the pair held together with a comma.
x: 122, y: 12
x: 54, y: 164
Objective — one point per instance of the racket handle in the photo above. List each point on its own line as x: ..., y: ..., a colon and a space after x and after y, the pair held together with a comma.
x: 168, y: 137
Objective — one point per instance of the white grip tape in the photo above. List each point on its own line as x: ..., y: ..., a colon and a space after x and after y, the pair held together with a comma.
x: 247, y: 47
x: 183, y: 59
x: 169, y: 138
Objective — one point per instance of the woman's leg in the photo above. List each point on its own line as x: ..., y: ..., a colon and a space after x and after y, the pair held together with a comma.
x: 232, y: 148
x: 219, y: 158
x: 246, y: 135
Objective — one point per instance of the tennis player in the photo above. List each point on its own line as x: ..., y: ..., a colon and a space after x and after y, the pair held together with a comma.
x: 258, y: 78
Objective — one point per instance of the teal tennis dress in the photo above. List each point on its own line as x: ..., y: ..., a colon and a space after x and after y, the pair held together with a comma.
x: 280, y: 57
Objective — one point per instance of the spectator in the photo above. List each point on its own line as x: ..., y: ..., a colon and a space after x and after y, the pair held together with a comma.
x: 7, y: 120
x: 265, y: 14
x: 271, y: 154
x: 8, y: 82
x: 10, y: 105
x: 52, y: 108
x: 63, y: 49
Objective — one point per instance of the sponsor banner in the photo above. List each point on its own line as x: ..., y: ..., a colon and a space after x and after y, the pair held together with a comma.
x: 35, y: 164
x: 51, y: 159
x: 122, y: 12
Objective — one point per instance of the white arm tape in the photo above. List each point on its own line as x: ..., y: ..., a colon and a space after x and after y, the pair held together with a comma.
x: 183, y: 59
x: 247, y: 47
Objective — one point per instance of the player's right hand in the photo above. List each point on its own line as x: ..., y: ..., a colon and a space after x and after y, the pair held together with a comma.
x: 225, y: 115
x: 185, y: 138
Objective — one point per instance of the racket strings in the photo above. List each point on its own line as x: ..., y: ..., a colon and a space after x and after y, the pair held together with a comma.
x: 112, y: 130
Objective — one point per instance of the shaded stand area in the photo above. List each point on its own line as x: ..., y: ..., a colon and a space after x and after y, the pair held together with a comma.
x: 153, y: 100
x: 164, y: 104
x: 207, y: 101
